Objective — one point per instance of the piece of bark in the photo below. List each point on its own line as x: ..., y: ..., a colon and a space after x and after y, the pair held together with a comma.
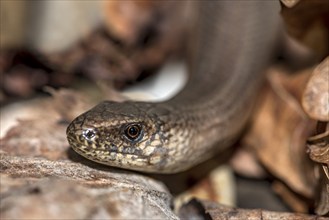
x: 278, y: 133
x: 200, y: 209
x: 41, y: 132
x: 52, y: 189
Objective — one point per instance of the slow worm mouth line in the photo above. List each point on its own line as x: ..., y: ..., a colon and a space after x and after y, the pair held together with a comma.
x: 83, y: 148
x: 108, y: 158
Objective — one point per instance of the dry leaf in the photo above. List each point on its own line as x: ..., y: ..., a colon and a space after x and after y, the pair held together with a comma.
x: 316, y: 95
x: 307, y: 21
x: 279, y: 130
x: 316, y: 105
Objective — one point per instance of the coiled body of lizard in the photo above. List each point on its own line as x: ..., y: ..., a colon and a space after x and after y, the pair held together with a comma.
x: 232, y: 44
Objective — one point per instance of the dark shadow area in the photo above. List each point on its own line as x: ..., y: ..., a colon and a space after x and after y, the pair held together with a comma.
x: 258, y: 194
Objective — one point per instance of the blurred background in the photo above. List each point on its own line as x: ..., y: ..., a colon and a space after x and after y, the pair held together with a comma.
x: 116, y: 42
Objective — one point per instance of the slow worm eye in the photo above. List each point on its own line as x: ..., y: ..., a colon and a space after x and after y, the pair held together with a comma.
x: 89, y: 134
x: 133, y: 132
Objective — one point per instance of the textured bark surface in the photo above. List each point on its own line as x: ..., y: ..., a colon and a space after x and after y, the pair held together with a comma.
x: 45, y: 189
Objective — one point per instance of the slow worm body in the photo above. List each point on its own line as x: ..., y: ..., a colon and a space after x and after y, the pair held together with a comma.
x: 231, y: 44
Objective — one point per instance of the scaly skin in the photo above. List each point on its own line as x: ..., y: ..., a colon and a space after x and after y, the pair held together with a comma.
x: 232, y: 44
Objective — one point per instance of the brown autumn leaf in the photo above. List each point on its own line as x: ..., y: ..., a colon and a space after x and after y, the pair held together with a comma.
x: 307, y: 21
x: 316, y: 95
x: 279, y: 131
x: 316, y: 105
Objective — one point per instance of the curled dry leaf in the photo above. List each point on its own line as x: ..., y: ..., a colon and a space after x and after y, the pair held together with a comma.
x: 278, y: 133
x: 316, y: 95
x: 316, y: 105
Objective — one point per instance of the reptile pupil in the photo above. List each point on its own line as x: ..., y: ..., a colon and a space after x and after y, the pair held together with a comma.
x: 132, y: 132
x: 89, y: 134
